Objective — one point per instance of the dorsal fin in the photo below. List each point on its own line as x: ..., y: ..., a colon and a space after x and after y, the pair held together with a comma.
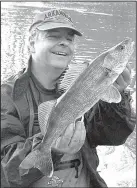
x: 44, y: 111
x: 70, y: 75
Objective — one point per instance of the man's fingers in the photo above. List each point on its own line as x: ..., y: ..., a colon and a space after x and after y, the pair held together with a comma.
x: 124, y: 79
x: 57, y: 143
x: 66, y: 137
x: 78, y: 138
x: 117, y: 86
x: 126, y: 75
x: 72, y: 139
x: 128, y: 66
x: 120, y: 81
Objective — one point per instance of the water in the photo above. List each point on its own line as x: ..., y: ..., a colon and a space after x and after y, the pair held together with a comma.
x: 103, y: 25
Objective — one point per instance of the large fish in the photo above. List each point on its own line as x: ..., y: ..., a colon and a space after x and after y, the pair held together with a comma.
x: 93, y: 83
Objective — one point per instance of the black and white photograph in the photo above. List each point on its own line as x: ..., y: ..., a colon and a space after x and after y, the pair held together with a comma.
x: 68, y: 94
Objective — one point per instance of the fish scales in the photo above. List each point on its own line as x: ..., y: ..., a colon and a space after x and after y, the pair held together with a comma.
x: 93, y: 84
x: 78, y: 100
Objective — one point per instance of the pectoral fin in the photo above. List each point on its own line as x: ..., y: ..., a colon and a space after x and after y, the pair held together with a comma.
x: 44, y: 111
x: 111, y: 95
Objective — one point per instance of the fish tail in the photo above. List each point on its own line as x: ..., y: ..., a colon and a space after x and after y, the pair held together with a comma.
x: 40, y: 160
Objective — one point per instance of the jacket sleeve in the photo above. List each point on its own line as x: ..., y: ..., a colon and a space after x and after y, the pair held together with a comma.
x: 110, y: 124
x: 14, y: 144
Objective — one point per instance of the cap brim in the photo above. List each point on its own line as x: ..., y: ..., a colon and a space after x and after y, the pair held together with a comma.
x: 48, y: 26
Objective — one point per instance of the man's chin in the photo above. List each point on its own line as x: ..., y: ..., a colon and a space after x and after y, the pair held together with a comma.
x: 60, y: 64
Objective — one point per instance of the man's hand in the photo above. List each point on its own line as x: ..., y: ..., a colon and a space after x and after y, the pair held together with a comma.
x: 72, y: 140
x: 124, y: 79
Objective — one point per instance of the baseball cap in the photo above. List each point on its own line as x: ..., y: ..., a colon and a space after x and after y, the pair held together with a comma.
x: 52, y: 19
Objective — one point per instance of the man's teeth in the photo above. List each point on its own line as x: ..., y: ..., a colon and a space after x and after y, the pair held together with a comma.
x: 60, y: 53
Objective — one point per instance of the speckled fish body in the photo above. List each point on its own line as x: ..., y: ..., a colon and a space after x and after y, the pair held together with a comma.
x: 93, y: 84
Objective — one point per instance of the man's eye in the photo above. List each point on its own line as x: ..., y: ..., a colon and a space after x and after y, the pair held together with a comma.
x: 121, y: 47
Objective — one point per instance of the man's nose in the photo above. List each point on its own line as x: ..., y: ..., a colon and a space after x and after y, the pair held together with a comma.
x: 64, y: 42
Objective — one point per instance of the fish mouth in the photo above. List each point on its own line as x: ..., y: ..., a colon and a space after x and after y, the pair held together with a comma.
x: 129, y: 41
x: 128, y: 44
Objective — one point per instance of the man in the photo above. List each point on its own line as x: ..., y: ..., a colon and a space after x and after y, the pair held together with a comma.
x: 51, y: 45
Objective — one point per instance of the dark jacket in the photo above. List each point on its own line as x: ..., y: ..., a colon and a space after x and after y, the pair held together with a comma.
x: 106, y: 124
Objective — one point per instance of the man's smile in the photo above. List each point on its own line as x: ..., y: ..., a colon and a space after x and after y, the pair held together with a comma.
x: 60, y: 53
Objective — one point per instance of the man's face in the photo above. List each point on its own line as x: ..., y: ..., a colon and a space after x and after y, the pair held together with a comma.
x: 54, y: 48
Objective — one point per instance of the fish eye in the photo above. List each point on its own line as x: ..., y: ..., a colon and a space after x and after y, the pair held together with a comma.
x: 121, y: 47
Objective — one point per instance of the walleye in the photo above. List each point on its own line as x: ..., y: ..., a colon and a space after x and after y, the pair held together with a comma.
x: 94, y: 83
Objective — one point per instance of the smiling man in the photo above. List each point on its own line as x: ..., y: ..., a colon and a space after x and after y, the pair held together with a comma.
x: 51, y: 46
x: 52, y: 52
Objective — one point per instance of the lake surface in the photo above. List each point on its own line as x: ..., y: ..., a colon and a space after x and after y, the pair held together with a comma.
x: 103, y: 25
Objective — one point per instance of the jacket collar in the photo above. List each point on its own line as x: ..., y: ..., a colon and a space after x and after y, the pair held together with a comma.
x: 22, y: 81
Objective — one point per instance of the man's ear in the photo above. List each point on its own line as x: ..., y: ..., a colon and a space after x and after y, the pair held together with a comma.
x: 31, y: 44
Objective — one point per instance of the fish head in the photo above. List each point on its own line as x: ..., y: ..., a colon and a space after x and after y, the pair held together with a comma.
x: 117, y: 57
